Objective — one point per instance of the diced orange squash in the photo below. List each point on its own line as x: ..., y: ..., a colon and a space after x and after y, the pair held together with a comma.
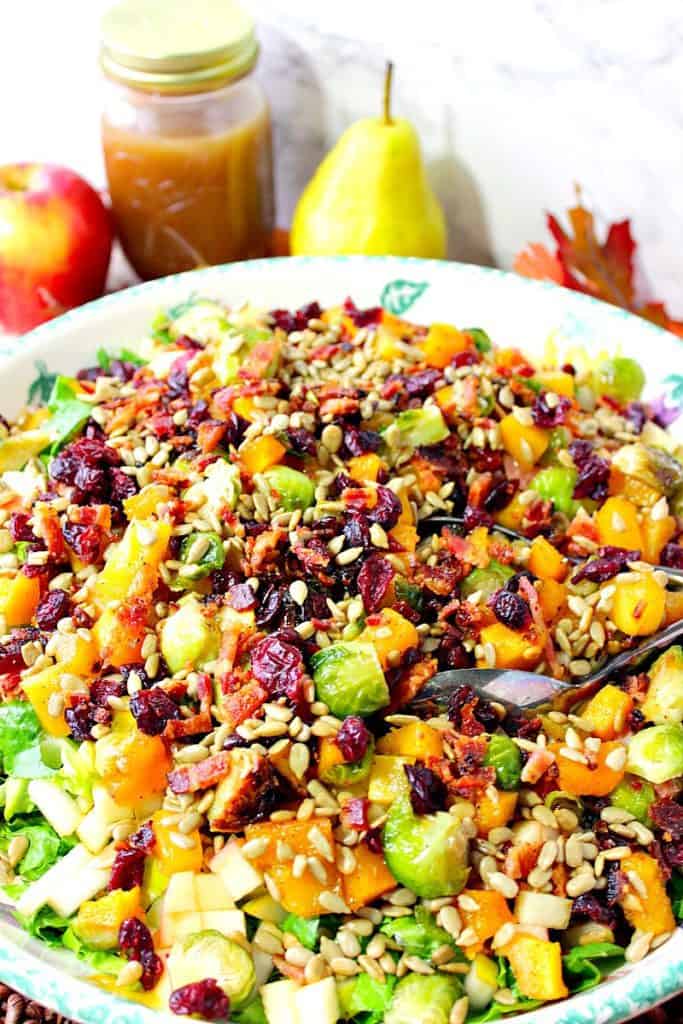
x: 492, y: 913
x: 637, y: 491
x: 510, y: 359
x: 618, y: 524
x: 513, y: 650
x: 404, y: 532
x: 417, y: 739
x: 390, y: 633
x: 133, y: 565
x: 98, y: 921
x: 525, y: 442
x: 552, y: 597
x: 584, y: 779
x: 263, y: 359
x: 445, y: 398
x: 494, y: 813
x: 298, y: 895
x: 329, y: 756
x: 245, y: 407
x: 118, y: 643
x: 607, y: 712
x: 20, y: 603
x: 363, y: 468
x: 370, y: 878
x: 651, y: 912
x: 639, y: 605
x: 545, y: 561
x: 442, y: 343
x: 674, y: 607
x: 171, y: 857
x: 656, y: 533
x: 537, y: 966
x: 556, y: 380
x: 147, y: 501
x: 512, y: 515
x: 133, y: 766
x: 40, y: 686
x: 387, y: 344
x: 261, y: 453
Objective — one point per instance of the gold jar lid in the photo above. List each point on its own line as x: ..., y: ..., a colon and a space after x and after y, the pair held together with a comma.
x: 177, y: 46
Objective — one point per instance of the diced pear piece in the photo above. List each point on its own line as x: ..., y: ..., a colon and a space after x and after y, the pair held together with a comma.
x: 239, y: 876
x: 15, y: 451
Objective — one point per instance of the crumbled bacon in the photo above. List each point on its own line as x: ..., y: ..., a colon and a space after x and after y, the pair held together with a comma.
x: 189, y: 778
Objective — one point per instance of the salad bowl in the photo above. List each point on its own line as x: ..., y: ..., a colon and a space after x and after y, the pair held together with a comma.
x: 536, y: 317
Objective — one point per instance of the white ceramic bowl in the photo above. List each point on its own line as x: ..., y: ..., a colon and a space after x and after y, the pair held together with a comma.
x: 515, y: 312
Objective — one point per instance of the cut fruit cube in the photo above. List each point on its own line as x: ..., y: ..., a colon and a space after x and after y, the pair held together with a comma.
x: 239, y: 876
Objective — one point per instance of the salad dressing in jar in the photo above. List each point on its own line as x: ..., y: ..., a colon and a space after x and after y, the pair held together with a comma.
x: 186, y: 135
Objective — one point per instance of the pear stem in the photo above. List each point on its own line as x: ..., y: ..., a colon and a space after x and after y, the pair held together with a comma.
x: 388, y: 76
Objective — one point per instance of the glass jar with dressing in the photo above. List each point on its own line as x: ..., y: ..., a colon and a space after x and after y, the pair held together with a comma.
x: 186, y: 134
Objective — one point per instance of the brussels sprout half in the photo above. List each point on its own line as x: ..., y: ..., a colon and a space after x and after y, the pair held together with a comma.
x: 294, y: 489
x: 656, y: 754
x: 423, y: 999
x: 348, y: 677
x: 556, y: 484
x: 634, y: 796
x: 349, y: 773
x: 664, y: 700
x: 426, y: 853
x: 212, y: 556
x: 188, y: 638
x: 210, y: 954
x: 506, y: 757
x: 621, y: 378
x: 487, y: 580
x: 422, y: 426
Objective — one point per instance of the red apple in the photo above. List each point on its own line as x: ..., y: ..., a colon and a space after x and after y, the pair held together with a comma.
x: 55, y: 243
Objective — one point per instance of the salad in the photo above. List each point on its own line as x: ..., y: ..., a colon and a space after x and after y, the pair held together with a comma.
x: 215, y: 608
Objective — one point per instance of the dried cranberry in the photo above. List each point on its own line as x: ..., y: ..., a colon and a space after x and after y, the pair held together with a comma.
x: 373, y: 580
x: 122, y: 485
x: 513, y: 583
x: 359, y: 442
x: 451, y: 653
x: 53, y: 606
x: 510, y: 609
x: 178, y: 378
x: 464, y: 705
x: 135, y: 942
x: 636, y: 415
x: 10, y: 651
x: 353, y: 739
x: 85, y: 541
x: 270, y: 606
x: 662, y: 413
x: 221, y: 580
x: 81, y: 717
x: 373, y: 840
x: 549, y: 416
x: 422, y: 383
x: 144, y: 839
x: 593, y: 471
x: 610, y: 562
x: 516, y: 723
x: 428, y: 792
x: 19, y: 527
x: 591, y: 906
x: 386, y: 510
x: 357, y: 530
x: 152, y: 709
x: 140, y: 672
x: 234, y: 740
x: 127, y: 869
x: 500, y: 495
x: 241, y: 597
x: 362, y: 317
x: 278, y: 665
x: 302, y: 442
x: 204, y: 998
x: 672, y: 556
x: 473, y: 517
x: 668, y: 816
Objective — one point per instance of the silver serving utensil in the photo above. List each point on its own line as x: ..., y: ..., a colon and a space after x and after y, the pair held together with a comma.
x: 528, y: 690
x: 433, y: 524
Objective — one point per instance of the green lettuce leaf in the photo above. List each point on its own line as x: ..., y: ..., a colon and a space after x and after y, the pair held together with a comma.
x: 45, y: 925
x: 365, y: 1000
x: 19, y: 731
x: 676, y: 894
x: 69, y: 414
x: 586, y: 966
x: 45, y: 846
x: 100, y: 960
x: 302, y: 928
x: 418, y: 935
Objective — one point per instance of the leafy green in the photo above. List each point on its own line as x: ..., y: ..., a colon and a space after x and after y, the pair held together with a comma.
x: 69, y: 414
x: 409, y: 592
x: 45, y: 846
x: 480, y: 338
x: 505, y: 756
x: 365, y: 1000
x: 495, y: 1011
x: 418, y: 935
x: 586, y: 966
x: 20, y: 730
x: 99, y: 960
x: 251, y: 1014
x: 676, y: 894
x: 104, y: 358
x: 305, y: 929
x: 486, y: 581
x: 45, y: 925
x: 21, y: 549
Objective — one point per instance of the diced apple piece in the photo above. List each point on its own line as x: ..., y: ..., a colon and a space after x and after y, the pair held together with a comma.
x: 75, y: 878
x: 239, y: 876
x: 181, y: 894
x: 541, y: 908
x: 318, y: 1002
x: 228, y: 922
x: 279, y: 1002
x: 265, y: 908
x: 60, y: 809
x: 211, y: 893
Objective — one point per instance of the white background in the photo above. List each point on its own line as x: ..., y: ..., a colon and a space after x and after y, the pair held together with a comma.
x: 515, y: 100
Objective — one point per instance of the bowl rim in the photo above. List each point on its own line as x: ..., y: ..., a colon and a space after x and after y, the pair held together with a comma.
x: 615, y: 999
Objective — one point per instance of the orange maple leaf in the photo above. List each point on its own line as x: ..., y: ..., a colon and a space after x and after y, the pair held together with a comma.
x: 538, y: 262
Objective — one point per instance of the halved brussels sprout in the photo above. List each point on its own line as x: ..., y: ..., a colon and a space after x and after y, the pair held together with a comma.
x: 417, y: 935
x: 426, y: 853
x: 634, y: 796
x: 348, y: 677
x: 654, y: 466
x: 422, y: 426
x: 556, y: 484
x: 423, y: 999
x: 656, y: 754
x: 487, y: 580
x: 620, y: 377
x: 349, y: 773
x: 206, y: 552
x: 664, y: 700
x: 505, y: 756
x: 210, y: 954
x: 294, y: 489
x: 188, y: 638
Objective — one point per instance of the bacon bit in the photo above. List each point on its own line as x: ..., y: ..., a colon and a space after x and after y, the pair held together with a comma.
x: 439, y: 579
x: 339, y: 406
x: 410, y: 684
x: 192, y: 777
x: 470, y: 390
x: 559, y: 880
x: 501, y: 552
x: 204, y: 691
x: 91, y: 515
x: 235, y: 708
x: 528, y: 591
x: 520, y: 860
x: 360, y: 498
x: 178, y: 728
x: 210, y: 433
x: 261, y: 551
x: 354, y: 814
x: 325, y: 352
x: 427, y: 478
x: 583, y: 526
x: 289, y: 970
x: 537, y: 765
x: 46, y: 525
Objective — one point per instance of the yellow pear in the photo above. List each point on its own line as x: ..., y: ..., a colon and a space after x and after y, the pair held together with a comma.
x: 371, y: 195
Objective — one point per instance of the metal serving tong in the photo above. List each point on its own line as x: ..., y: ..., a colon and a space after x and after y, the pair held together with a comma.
x: 516, y: 688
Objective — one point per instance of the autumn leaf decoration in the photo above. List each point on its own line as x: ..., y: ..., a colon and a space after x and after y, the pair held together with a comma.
x: 583, y: 263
